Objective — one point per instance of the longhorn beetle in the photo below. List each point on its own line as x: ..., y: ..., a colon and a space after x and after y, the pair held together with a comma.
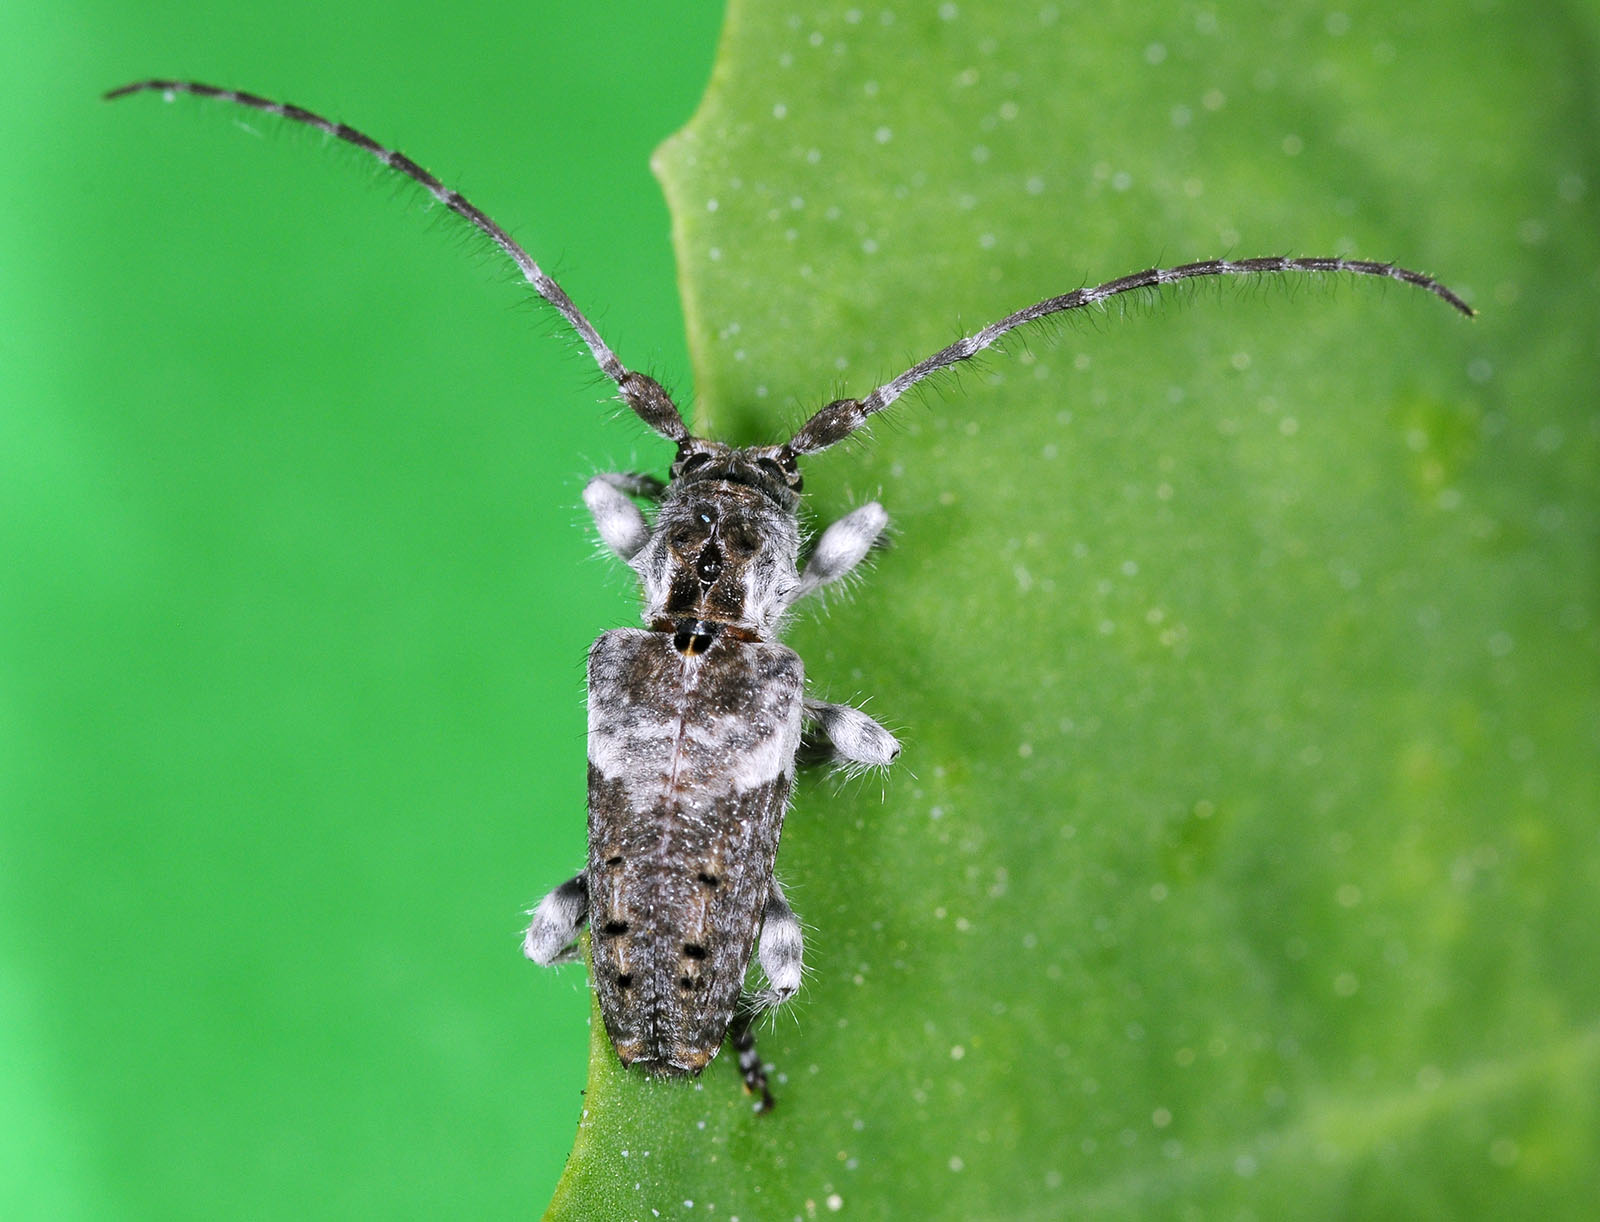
x: 697, y: 720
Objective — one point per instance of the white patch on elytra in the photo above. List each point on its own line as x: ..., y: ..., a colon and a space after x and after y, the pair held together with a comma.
x: 727, y: 751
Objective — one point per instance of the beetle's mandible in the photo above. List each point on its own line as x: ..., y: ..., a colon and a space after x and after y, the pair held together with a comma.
x: 696, y: 720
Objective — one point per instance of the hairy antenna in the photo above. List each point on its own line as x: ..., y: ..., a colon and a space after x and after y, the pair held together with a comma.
x: 839, y: 419
x: 699, y: 720
x: 643, y: 394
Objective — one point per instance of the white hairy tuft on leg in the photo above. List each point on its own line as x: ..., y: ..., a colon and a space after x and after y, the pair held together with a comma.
x: 781, y: 950
x: 855, y: 737
x: 842, y: 546
x: 617, y: 519
x: 556, y: 922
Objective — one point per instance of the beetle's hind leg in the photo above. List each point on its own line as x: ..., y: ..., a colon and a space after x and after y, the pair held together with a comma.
x: 753, y: 1071
x: 780, y: 951
x: 552, y: 935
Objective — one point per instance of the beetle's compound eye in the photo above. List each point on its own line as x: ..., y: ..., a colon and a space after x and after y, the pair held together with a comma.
x: 779, y: 466
x: 689, y: 460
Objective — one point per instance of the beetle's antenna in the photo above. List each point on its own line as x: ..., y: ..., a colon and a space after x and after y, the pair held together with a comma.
x: 643, y: 394
x: 839, y: 419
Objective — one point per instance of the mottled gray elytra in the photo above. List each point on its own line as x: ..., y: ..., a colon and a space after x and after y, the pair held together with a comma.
x: 696, y: 721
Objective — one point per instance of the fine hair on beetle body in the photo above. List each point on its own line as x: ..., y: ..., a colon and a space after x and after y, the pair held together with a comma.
x: 698, y: 719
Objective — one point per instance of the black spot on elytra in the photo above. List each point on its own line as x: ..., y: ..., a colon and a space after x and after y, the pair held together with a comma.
x: 694, y: 950
x: 613, y: 861
x: 625, y: 980
x: 614, y: 929
x: 710, y: 880
x: 686, y: 982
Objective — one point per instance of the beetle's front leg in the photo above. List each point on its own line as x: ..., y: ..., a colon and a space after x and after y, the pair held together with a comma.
x: 840, y: 734
x: 842, y: 546
x: 552, y: 935
x: 609, y: 497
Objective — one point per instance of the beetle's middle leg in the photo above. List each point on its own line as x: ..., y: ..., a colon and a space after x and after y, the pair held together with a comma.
x: 839, y: 734
x: 553, y: 933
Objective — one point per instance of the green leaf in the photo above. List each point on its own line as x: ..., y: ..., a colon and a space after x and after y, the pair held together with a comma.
x: 1242, y: 858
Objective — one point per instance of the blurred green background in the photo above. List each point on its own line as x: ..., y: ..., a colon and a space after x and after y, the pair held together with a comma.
x: 297, y: 591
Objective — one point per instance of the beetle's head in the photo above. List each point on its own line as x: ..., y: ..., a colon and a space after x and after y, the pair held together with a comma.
x: 771, y: 470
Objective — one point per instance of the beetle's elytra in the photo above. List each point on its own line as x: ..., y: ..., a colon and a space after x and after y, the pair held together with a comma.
x: 696, y: 720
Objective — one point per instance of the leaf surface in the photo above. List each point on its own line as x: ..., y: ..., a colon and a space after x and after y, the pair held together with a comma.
x: 1242, y: 858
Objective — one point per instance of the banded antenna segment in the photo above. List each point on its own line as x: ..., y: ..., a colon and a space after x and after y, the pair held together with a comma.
x: 833, y: 423
x: 643, y: 394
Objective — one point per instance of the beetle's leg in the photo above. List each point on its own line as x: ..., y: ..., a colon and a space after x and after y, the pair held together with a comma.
x: 609, y: 498
x: 842, y: 546
x: 840, y: 734
x: 780, y: 950
x: 552, y: 934
x: 754, y: 1072
x: 634, y: 483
